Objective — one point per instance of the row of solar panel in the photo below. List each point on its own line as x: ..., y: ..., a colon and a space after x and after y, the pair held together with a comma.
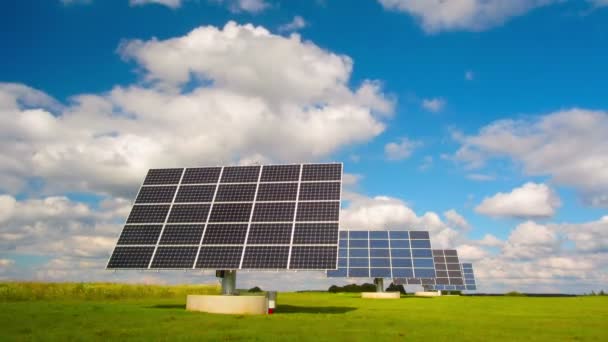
x: 225, y: 257
x: 245, y: 174
x: 385, y: 262
x: 384, y: 235
x: 236, y: 212
x: 385, y: 253
x: 321, y: 191
x: 229, y: 234
x: 426, y: 244
x: 381, y: 272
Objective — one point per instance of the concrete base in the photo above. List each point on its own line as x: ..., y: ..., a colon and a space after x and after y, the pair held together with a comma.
x: 428, y: 294
x: 381, y: 295
x: 235, y: 305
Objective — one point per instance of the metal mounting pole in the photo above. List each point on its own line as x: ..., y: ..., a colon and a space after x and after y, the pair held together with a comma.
x: 379, y: 284
x: 228, y: 281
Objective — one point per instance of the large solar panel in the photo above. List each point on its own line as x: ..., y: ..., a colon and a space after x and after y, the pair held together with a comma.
x: 385, y: 254
x: 234, y: 217
x: 469, y: 277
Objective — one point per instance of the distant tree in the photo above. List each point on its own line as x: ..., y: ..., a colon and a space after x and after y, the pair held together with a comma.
x: 255, y: 289
x: 394, y: 288
x: 593, y: 293
x: 602, y: 293
x: 353, y: 288
x: 514, y: 294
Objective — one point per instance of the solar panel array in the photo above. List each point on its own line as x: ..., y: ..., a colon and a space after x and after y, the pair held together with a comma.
x: 385, y: 254
x: 234, y: 217
x: 469, y: 277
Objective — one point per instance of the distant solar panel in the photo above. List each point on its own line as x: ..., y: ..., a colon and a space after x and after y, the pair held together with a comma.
x: 234, y: 217
x: 385, y: 254
x: 449, y: 273
x: 469, y: 277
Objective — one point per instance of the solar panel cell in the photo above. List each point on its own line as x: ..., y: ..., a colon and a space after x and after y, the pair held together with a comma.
x: 270, y: 234
x: 315, y: 233
x: 402, y: 272
x: 240, y: 174
x: 320, y: 191
x: 230, y: 212
x: 379, y: 253
x: 313, y: 257
x: 399, y: 235
x: 202, y: 175
x: 274, y: 212
x: 377, y: 272
x: 419, y: 235
x: 400, y: 244
x: 402, y: 262
x: 318, y: 211
x: 214, y: 257
x: 188, y: 213
x: 148, y: 213
x: 195, y: 193
x: 277, y: 192
x: 163, y: 176
x: 266, y: 257
x: 182, y: 234
x: 156, y: 194
x: 225, y: 234
x: 131, y: 257
x: 358, y: 272
x: 235, y: 192
x: 322, y: 172
x: 380, y: 262
x: 378, y: 243
x: 140, y: 234
x: 378, y: 235
x: 280, y: 173
x: 174, y: 257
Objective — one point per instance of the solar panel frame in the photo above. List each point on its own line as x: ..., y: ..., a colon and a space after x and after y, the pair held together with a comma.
x: 169, y: 213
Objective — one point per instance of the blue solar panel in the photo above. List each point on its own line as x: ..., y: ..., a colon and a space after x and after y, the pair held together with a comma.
x: 384, y: 254
x: 469, y: 277
x: 235, y: 217
x: 450, y: 274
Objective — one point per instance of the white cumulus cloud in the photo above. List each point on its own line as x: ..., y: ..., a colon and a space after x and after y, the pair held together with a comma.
x: 571, y: 146
x: 251, y: 95
x: 168, y: 3
x: 434, y: 105
x: 470, y: 15
x: 296, y: 24
x: 401, y: 149
x: 528, y: 201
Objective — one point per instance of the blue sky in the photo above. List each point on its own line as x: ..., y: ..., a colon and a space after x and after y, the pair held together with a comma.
x: 481, y: 123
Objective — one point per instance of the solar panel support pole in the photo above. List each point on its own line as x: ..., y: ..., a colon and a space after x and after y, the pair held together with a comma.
x: 228, y: 281
x: 379, y: 284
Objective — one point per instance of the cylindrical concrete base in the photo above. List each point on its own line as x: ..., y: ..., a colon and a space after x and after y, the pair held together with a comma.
x: 428, y: 294
x: 381, y: 295
x: 236, y: 305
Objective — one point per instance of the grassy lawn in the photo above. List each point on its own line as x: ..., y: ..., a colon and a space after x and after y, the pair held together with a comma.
x: 307, y: 316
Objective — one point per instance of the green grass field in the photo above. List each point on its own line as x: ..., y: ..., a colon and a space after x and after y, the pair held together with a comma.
x: 85, y: 312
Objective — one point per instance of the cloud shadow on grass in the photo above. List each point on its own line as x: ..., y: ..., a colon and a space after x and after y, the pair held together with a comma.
x: 169, y: 306
x: 290, y: 309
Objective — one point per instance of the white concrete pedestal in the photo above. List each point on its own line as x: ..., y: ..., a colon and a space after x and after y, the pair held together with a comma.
x: 381, y: 295
x: 428, y: 294
x: 235, y: 305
